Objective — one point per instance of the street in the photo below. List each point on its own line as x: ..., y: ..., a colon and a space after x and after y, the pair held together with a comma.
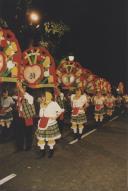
x: 97, y: 162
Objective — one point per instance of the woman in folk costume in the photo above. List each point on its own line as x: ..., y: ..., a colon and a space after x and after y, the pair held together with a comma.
x: 79, y: 103
x: 6, y: 116
x: 24, y: 119
x: 99, y: 101
x: 48, y: 130
x: 109, y: 103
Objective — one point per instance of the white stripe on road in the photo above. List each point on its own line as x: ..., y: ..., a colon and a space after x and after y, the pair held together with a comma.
x: 7, y: 178
x: 84, y: 135
x: 114, y: 118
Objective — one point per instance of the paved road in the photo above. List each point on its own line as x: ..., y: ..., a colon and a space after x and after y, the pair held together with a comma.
x: 96, y: 163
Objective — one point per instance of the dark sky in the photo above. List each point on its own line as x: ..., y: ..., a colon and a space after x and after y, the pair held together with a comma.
x: 98, y: 32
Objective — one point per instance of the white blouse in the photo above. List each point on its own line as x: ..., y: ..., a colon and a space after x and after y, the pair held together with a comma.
x: 99, y: 100
x: 52, y: 111
x: 79, y: 102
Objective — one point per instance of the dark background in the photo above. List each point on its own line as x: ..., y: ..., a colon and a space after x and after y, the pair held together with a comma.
x: 98, y: 32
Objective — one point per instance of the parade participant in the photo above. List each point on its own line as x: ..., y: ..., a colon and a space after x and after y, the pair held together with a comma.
x: 6, y: 116
x: 119, y: 101
x: 109, y: 103
x: 98, y: 101
x: 125, y: 101
x: 24, y: 119
x: 79, y: 103
x: 61, y: 100
x: 48, y: 131
x: 6, y: 109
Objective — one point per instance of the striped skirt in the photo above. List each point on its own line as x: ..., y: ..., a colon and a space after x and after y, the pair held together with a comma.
x: 7, y: 117
x: 100, y: 112
x: 79, y: 119
x: 52, y: 132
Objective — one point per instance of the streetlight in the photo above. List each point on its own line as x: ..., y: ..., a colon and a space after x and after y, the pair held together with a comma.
x: 34, y: 17
x: 34, y: 20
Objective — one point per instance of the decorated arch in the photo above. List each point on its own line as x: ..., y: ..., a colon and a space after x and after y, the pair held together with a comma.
x: 103, y: 85
x: 70, y: 75
x: 10, y: 56
x: 38, y: 68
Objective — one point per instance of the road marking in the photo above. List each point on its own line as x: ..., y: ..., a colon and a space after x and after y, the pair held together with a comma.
x: 84, y: 135
x: 7, y: 178
x: 114, y: 118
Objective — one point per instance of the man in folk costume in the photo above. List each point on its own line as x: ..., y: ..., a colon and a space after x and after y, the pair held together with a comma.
x: 99, y: 101
x: 109, y: 103
x: 6, y: 116
x: 24, y: 119
x: 79, y: 103
x: 61, y: 100
x: 48, y: 130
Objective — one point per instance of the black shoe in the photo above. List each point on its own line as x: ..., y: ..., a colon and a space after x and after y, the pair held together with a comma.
x: 79, y: 136
x: 75, y: 136
x: 41, y: 154
x: 50, y: 153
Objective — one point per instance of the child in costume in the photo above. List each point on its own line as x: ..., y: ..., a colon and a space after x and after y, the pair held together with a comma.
x: 48, y: 130
x: 99, y: 101
x: 79, y: 103
x: 6, y: 116
x: 109, y: 103
x: 6, y: 109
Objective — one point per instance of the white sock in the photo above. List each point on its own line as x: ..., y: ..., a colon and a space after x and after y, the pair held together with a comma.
x: 42, y: 147
x: 51, y: 147
x: 80, y: 130
x: 75, y: 130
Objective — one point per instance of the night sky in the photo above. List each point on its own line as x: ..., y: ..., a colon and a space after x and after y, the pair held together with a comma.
x: 97, y: 36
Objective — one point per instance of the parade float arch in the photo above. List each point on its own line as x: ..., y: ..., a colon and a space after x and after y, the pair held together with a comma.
x: 70, y: 75
x: 10, y: 56
x: 38, y: 68
x: 10, y: 60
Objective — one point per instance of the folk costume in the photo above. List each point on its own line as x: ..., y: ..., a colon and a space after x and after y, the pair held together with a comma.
x: 24, y: 120
x: 125, y: 101
x: 48, y: 130
x: 61, y: 100
x: 99, y: 102
x: 6, y: 116
x: 78, y: 117
x: 109, y: 103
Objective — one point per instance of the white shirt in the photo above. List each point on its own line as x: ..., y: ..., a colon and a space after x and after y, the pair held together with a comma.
x: 99, y: 100
x: 79, y: 102
x: 28, y: 97
x: 52, y: 110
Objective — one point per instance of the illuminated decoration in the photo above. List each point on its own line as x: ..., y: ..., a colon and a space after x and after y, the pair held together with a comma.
x: 10, y: 56
x: 38, y: 68
x: 2, y: 62
x: 90, y: 86
x: 70, y: 74
x: 102, y: 85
